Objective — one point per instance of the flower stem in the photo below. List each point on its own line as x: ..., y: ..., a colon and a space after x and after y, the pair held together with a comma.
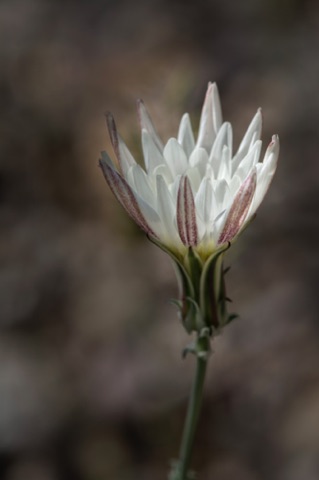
x: 192, y: 416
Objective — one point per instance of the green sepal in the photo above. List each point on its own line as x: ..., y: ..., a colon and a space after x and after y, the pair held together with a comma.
x: 185, y: 286
x: 189, y: 313
x: 198, y: 320
x: 195, y: 268
x: 202, y: 294
x: 211, y: 288
x: 179, y: 305
x: 177, y: 262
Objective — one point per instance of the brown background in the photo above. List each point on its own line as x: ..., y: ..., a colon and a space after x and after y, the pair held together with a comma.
x: 92, y: 385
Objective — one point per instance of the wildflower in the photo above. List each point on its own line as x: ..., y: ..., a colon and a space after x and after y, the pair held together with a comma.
x: 194, y: 197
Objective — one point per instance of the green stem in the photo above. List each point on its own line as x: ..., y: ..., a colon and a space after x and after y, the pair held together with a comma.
x: 191, y: 421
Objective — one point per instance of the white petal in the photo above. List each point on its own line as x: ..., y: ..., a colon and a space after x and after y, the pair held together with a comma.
x: 265, y: 174
x: 194, y: 177
x: 185, y: 135
x: 249, y: 161
x: 147, y: 124
x: 199, y: 159
x: 221, y: 194
x: 173, y: 188
x: 252, y: 134
x: 165, y: 172
x: 209, y: 172
x: 217, y: 110
x: 175, y: 157
x: 141, y: 185
x: 218, y: 225
x: 124, y: 156
x: 234, y: 185
x: 151, y: 216
x: 167, y: 211
x: 237, y: 213
x: 124, y: 194
x: 210, y: 119
x: 152, y: 156
x: 225, y: 164
x: 224, y: 138
x: 204, y: 201
x: 272, y: 153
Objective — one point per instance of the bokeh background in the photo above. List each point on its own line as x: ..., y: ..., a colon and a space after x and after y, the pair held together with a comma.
x: 92, y: 385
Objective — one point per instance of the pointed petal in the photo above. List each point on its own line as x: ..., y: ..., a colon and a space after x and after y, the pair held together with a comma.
x: 252, y: 135
x: 185, y: 135
x: 147, y: 124
x: 217, y: 109
x: 199, y: 159
x: 123, y: 155
x: 223, y: 138
x: 142, y: 185
x: 186, y: 214
x: 123, y: 193
x: 211, y: 118
x: 165, y: 172
x: 194, y: 178
x: 166, y: 211
x: 254, y: 130
x: 152, y: 156
x: 126, y: 159
x: 248, y: 161
x: 239, y: 209
x: 150, y: 215
x: 225, y: 165
x: 265, y: 173
x: 272, y: 153
x: 221, y: 195
x: 175, y: 157
x: 204, y: 201
x: 206, y: 131
x: 234, y: 185
x: 218, y: 224
x: 173, y: 188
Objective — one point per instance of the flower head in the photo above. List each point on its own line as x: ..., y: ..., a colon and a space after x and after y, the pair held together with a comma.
x: 193, y: 199
x: 192, y: 193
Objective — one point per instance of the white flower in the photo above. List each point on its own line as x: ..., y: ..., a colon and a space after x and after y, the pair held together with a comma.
x: 192, y: 193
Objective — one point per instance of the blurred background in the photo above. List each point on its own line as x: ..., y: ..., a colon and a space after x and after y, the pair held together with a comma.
x: 92, y: 385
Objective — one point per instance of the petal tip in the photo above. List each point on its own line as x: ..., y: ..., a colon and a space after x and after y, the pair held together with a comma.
x: 274, y: 145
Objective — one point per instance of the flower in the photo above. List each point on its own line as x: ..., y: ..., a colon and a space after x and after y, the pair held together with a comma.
x: 192, y: 193
x: 193, y: 199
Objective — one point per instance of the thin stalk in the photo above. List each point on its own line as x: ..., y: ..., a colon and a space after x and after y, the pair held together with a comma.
x: 192, y: 416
